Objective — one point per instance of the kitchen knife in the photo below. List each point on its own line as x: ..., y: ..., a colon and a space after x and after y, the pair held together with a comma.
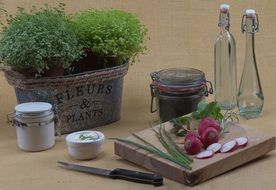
x: 117, y: 173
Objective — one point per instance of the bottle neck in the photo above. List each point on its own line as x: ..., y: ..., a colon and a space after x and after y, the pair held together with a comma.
x: 224, y: 21
x: 250, y: 46
x: 250, y: 28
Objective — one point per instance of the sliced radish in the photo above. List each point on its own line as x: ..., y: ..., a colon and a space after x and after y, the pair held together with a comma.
x: 229, y: 146
x: 242, y: 141
x: 205, y: 154
x: 214, y: 147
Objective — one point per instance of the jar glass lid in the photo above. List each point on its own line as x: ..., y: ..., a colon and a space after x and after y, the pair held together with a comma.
x: 183, y: 76
x: 33, y: 107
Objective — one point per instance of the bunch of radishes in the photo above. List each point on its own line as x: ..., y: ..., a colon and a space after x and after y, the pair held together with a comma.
x: 207, y: 138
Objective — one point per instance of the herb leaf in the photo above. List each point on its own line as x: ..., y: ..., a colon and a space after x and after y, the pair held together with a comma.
x: 211, y: 109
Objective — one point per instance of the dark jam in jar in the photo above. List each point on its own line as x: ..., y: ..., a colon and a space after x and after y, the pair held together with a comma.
x: 178, y: 91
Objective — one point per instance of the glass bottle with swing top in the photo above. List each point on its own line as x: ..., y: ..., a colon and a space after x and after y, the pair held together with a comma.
x: 225, y: 63
x: 250, y: 95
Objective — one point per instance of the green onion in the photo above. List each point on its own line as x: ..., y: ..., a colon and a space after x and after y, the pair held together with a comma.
x: 174, y: 145
x: 145, y: 142
x: 174, y: 153
x: 154, y: 150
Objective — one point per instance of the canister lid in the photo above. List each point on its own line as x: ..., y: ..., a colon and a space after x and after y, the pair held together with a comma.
x: 179, y: 80
x: 33, y: 107
x: 184, y: 76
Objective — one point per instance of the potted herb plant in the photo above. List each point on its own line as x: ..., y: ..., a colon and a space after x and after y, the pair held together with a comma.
x: 94, y: 47
x: 109, y: 38
x: 42, y: 42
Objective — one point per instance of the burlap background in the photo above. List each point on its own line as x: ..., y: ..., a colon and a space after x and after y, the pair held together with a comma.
x: 182, y: 33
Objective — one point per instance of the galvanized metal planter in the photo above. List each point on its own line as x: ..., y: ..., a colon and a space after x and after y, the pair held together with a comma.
x: 81, y: 101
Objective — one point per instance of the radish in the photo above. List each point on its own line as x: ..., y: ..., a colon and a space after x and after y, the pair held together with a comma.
x: 181, y: 140
x: 214, y: 147
x: 229, y: 146
x: 205, y: 154
x: 242, y: 141
x: 191, y: 133
x: 192, y: 145
x: 206, y: 123
x: 209, y: 136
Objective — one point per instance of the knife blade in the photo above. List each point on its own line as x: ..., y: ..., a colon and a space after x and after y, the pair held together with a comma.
x: 118, y: 173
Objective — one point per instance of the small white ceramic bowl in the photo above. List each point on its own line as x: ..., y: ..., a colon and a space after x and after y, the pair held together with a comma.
x: 84, y: 145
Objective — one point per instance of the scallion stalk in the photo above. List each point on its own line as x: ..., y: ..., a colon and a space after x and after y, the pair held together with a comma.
x: 155, y: 150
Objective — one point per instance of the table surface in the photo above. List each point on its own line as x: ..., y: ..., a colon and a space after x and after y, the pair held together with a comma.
x: 182, y: 34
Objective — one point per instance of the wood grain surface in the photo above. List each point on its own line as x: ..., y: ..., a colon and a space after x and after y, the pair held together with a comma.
x: 202, y: 169
x: 182, y: 33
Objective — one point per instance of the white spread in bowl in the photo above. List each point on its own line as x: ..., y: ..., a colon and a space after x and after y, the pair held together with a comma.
x: 85, y: 145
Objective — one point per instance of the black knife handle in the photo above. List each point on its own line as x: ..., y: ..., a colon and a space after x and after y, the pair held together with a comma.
x: 136, y: 176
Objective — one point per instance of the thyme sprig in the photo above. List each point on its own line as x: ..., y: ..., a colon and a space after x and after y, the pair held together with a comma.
x: 229, y: 115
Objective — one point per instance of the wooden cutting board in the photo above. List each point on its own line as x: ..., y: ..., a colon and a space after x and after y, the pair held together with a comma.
x: 202, y: 170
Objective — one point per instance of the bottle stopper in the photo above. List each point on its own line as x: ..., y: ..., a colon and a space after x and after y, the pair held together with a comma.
x: 224, y: 8
x: 250, y: 13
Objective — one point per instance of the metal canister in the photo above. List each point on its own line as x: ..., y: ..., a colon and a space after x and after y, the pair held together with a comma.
x: 35, y: 128
x: 178, y: 91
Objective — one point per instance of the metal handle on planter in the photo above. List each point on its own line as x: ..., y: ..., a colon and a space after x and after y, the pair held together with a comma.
x: 152, y: 97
